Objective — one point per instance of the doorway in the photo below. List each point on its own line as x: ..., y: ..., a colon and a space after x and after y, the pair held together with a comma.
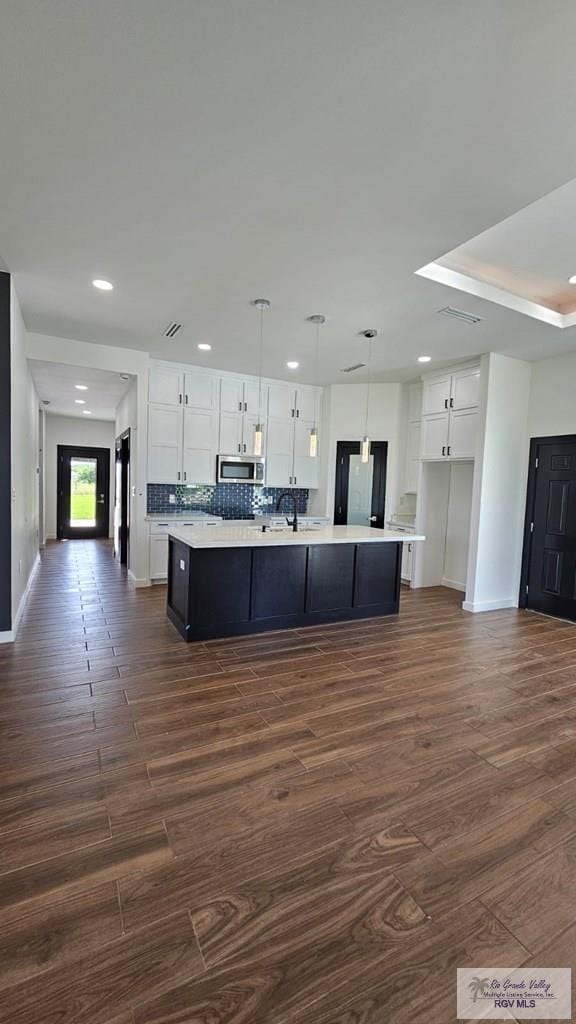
x: 549, y: 560
x: 122, y: 499
x: 360, y: 492
x: 83, y: 482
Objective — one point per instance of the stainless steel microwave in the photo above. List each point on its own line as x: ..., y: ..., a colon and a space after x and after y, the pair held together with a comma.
x: 240, y: 469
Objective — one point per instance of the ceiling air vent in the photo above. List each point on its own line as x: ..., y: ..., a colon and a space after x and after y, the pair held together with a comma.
x: 459, y: 314
x: 172, y: 329
x: 350, y: 369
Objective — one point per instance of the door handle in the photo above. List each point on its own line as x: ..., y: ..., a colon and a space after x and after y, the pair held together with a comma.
x: 373, y: 519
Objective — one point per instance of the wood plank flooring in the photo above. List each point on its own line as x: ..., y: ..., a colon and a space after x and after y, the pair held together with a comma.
x: 300, y: 827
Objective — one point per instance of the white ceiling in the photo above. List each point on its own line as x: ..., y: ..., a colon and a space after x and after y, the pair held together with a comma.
x: 55, y: 383
x: 315, y: 153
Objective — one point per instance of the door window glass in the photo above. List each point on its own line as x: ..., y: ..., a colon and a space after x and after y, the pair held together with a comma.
x: 82, y: 493
x: 360, y: 491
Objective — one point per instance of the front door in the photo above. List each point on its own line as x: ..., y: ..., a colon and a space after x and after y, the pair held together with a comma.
x: 360, y: 492
x: 550, y: 548
x: 83, y: 492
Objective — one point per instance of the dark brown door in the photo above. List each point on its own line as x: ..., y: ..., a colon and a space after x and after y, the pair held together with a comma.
x: 360, y: 492
x: 550, y: 552
x: 83, y: 492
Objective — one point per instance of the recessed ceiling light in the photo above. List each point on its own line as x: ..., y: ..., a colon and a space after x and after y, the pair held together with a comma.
x: 204, y: 346
x: 80, y: 401
x: 81, y: 387
x: 86, y: 412
x: 104, y: 286
x: 292, y: 364
x: 424, y: 359
x: 572, y: 280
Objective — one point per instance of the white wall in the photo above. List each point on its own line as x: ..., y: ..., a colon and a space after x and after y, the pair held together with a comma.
x: 499, y: 496
x: 552, y: 408
x: 74, y: 431
x: 343, y: 419
x: 24, y: 441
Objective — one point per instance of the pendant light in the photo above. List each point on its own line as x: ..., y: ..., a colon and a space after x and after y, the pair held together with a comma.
x: 317, y: 319
x: 365, y: 443
x: 258, y: 445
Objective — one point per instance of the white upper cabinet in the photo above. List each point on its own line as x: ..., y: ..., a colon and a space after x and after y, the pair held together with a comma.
x: 306, y: 405
x: 231, y: 395
x: 450, y: 415
x: 255, y: 398
x: 164, y: 444
x: 201, y: 390
x: 305, y: 471
x: 434, y: 440
x: 231, y: 433
x: 166, y: 387
x: 465, y: 389
x: 200, y: 446
x: 280, y: 452
x: 281, y: 401
x: 462, y: 434
x: 436, y: 395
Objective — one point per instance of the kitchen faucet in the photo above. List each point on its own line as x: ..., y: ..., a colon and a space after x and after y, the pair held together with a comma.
x: 289, y: 494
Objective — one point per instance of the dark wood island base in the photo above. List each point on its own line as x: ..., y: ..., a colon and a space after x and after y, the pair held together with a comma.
x: 228, y: 591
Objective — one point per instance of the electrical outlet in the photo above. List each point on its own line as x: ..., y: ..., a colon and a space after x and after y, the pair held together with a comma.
x: 171, y: 499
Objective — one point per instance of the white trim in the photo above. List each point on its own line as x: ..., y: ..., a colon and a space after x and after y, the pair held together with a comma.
x: 9, y: 635
x: 489, y: 606
x: 136, y: 581
x: 453, y: 584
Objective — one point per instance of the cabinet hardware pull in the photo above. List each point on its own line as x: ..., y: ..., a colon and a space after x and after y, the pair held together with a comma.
x: 244, y: 447
x: 292, y: 411
x: 451, y: 403
x: 184, y: 474
x: 445, y: 403
x: 449, y: 450
x: 239, y: 406
x: 178, y: 474
x: 239, y: 447
x: 297, y: 413
x: 179, y: 399
x: 245, y: 406
x: 186, y: 399
x: 443, y: 449
x: 294, y: 479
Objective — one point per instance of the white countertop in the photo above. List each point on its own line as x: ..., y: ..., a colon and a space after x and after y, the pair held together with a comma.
x: 252, y: 536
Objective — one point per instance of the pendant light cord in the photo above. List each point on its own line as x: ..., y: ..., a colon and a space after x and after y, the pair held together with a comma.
x: 261, y: 360
x: 368, y: 387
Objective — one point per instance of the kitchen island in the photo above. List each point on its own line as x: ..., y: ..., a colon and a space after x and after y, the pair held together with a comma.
x: 226, y: 581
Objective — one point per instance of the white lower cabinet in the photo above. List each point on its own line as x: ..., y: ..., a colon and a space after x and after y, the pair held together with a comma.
x: 407, y: 561
x: 158, y: 567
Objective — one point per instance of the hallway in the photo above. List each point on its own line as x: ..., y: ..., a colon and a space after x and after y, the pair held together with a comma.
x: 296, y: 826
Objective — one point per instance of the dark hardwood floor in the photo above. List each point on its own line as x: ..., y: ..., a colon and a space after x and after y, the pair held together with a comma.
x: 316, y: 826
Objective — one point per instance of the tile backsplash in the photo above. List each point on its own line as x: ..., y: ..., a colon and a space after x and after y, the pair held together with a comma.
x: 231, y: 501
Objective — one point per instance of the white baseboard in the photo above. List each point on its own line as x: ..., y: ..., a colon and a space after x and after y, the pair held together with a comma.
x: 489, y: 606
x: 453, y: 585
x: 9, y: 635
x: 136, y: 581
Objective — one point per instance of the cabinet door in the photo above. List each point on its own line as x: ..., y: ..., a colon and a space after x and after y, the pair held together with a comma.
x: 230, y: 433
x: 407, y: 560
x: 158, y: 558
x: 201, y: 390
x: 166, y: 387
x: 465, y: 389
x: 200, y: 446
x: 280, y: 452
x: 307, y: 407
x: 249, y: 427
x: 231, y: 396
x: 436, y: 395
x: 413, y: 457
x: 435, y: 436
x: 281, y: 401
x: 463, y: 433
x: 305, y: 468
x: 255, y: 403
x: 164, y: 444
